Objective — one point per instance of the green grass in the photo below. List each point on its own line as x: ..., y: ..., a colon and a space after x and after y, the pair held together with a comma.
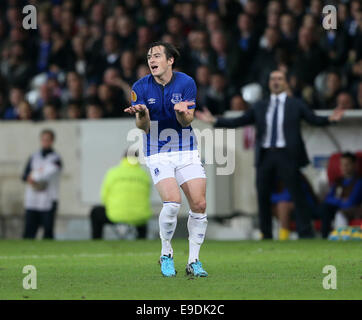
x: 129, y: 270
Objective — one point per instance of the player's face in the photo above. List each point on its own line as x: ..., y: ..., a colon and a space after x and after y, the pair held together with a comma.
x: 277, y: 82
x: 46, y: 141
x: 158, y: 62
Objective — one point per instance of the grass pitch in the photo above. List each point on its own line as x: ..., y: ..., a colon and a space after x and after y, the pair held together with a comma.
x: 129, y: 270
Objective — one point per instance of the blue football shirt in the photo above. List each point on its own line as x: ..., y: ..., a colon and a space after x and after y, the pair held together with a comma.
x: 166, y: 133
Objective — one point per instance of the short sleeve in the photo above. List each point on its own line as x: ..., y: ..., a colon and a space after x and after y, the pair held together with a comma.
x: 137, y: 94
x: 190, y: 93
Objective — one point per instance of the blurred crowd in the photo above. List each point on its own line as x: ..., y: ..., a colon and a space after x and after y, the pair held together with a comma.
x: 84, y: 56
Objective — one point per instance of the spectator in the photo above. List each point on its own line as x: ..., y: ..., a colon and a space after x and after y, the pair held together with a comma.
x: 79, y: 57
x: 288, y: 31
x: 14, y: 67
x: 110, y: 55
x: 265, y: 61
x: 128, y: 67
x: 144, y: 38
x: 198, y: 52
x: 60, y: 51
x: 334, y: 45
x: 253, y: 8
x: 201, y: 12
x: 121, y: 89
x: 175, y: 29
x: 50, y: 112
x: 203, y: 82
x: 106, y: 97
x: 74, y: 90
x: 110, y: 26
x: 343, y: 16
x: 125, y: 194
x: 225, y: 58
x: 25, y: 111
x: 296, y: 8
x: 16, y: 97
x: 94, y: 111
x: 237, y: 103
x: 355, y: 7
x: 142, y: 70
x: 344, y: 194
x: 74, y: 111
x: 44, y: 46
x: 153, y: 21
x: 327, y: 98
x: 316, y: 9
x: 216, y: 98
x: 126, y: 33
x: 46, y: 96
x: 247, y: 39
x: 42, y: 176
x: 345, y: 101
x: 309, y: 60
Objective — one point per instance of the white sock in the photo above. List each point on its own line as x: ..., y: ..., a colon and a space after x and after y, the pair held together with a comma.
x: 196, y: 225
x: 167, y: 222
x: 340, y: 220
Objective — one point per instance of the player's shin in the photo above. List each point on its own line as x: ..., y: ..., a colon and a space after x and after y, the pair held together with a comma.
x: 167, y: 223
x: 196, y: 225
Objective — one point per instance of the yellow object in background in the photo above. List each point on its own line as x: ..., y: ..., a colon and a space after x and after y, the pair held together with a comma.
x: 284, y: 234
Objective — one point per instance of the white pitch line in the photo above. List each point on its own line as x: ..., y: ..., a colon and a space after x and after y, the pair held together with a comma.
x: 79, y: 255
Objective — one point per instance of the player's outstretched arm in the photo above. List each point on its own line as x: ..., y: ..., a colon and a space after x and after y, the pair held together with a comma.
x: 184, y: 115
x: 142, y: 116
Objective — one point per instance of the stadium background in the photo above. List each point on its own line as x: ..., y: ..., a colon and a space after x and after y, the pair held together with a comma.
x: 73, y: 74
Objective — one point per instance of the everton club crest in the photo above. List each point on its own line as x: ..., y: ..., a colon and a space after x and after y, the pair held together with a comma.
x: 176, y: 98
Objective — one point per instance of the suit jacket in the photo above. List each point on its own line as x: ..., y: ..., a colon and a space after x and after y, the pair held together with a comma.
x: 294, y: 111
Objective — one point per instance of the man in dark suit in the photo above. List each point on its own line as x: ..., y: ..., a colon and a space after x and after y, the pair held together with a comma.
x: 279, y: 148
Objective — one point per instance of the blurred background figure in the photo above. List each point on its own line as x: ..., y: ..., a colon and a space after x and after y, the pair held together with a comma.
x: 42, y: 177
x: 125, y: 196
x: 344, y: 195
x: 283, y: 207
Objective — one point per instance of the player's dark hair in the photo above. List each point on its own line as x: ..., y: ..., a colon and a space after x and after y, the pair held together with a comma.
x: 170, y: 50
x: 349, y: 155
x: 49, y: 132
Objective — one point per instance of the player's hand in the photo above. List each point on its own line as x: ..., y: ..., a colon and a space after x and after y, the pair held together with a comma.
x: 337, y: 114
x: 30, y: 180
x: 205, y: 115
x: 182, y: 107
x: 138, y: 108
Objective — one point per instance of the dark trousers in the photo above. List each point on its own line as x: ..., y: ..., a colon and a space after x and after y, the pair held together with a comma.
x: 99, y: 219
x: 327, y: 213
x: 35, y: 219
x: 276, y: 163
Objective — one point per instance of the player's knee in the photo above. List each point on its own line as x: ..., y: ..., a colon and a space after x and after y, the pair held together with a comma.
x: 169, y: 212
x: 199, y: 206
x: 172, y: 208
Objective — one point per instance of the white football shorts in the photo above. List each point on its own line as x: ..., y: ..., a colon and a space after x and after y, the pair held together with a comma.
x: 181, y: 165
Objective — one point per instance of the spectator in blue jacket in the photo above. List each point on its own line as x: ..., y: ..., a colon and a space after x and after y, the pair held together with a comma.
x: 344, y: 194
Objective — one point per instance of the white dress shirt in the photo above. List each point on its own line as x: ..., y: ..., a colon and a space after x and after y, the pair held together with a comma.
x: 280, y: 143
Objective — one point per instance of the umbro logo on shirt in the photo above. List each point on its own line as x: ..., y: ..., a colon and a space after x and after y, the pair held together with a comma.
x: 151, y: 100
